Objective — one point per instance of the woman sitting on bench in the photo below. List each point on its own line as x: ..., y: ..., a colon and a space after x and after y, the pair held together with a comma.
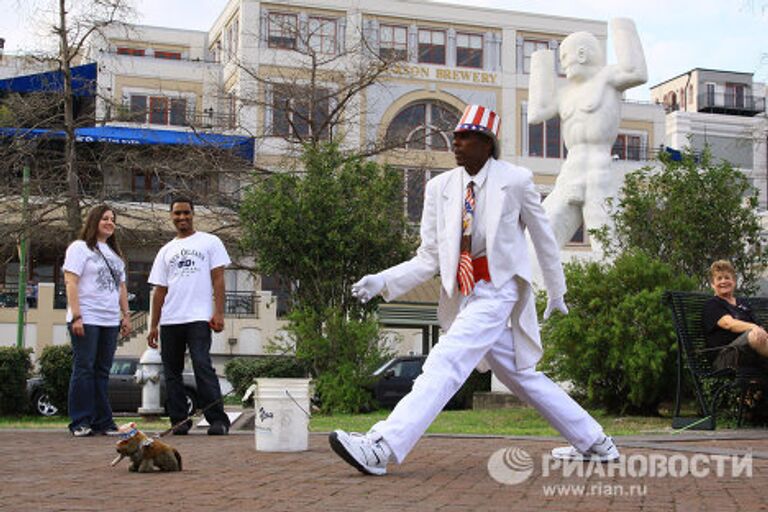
x: 728, y: 322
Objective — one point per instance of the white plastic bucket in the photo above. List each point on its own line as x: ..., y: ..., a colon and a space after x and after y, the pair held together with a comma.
x: 282, y: 415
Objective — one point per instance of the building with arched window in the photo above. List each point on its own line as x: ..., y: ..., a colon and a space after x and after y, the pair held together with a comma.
x: 389, y: 78
x: 444, y: 56
x: 286, y: 72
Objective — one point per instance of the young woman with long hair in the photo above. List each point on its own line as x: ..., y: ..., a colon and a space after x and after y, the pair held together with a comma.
x: 97, y: 299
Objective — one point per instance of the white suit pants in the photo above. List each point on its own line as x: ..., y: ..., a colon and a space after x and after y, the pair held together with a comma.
x: 480, y: 330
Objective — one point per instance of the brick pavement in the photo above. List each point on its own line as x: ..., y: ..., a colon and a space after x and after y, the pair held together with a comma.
x: 47, y: 470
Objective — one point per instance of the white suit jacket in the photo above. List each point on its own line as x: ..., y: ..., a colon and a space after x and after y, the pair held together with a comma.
x: 512, y: 205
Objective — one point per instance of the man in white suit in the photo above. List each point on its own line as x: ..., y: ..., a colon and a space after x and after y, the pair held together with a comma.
x: 473, y: 235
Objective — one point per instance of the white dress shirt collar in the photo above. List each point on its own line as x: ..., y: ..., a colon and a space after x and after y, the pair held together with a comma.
x: 478, y: 178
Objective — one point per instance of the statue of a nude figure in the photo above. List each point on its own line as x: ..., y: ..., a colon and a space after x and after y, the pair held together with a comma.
x: 589, y: 106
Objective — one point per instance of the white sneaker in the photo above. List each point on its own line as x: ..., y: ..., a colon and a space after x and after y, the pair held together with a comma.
x: 368, y: 455
x: 82, y: 431
x: 602, y: 451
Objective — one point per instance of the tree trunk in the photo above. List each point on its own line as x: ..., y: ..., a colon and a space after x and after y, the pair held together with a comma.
x: 74, y: 221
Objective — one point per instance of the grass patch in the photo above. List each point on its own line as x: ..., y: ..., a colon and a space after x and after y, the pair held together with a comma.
x: 233, y: 400
x: 512, y: 422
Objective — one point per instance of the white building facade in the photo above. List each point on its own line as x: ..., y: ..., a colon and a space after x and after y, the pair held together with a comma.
x: 228, y: 80
x: 723, y: 110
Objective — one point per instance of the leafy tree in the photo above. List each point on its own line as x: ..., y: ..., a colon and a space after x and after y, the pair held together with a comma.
x: 688, y: 214
x: 322, y: 228
x: 344, y: 351
x: 617, y: 343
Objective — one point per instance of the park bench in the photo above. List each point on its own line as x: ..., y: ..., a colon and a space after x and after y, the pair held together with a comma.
x: 709, y: 384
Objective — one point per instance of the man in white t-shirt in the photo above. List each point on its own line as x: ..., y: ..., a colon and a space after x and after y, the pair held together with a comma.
x: 188, y: 276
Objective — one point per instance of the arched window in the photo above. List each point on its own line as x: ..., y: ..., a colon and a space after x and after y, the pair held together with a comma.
x: 671, y: 102
x: 424, y: 125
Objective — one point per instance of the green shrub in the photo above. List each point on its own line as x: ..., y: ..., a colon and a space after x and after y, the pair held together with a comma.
x: 241, y: 371
x: 56, y: 370
x: 343, y: 391
x: 689, y: 213
x: 342, y: 352
x: 14, y: 371
x: 617, y: 344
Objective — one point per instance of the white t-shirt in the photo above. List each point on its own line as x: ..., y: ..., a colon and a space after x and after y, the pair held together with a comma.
x: 97, y: 291
x: 184, y: 266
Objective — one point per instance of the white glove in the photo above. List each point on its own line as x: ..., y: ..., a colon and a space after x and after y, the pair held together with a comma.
x: 555, y: 304
x: 368, y: 287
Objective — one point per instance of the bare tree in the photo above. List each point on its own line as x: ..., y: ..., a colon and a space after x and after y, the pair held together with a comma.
x: 213, y: 177
x: 77, y: 22
x: 72, y: 24
x: 319, y: 89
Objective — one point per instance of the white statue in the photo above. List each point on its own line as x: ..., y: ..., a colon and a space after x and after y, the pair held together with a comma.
x: 589, y: 106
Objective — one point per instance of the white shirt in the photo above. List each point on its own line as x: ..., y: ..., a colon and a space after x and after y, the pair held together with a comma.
x: 184, y: 266
x: 98, y: 288
x: 478, y: 224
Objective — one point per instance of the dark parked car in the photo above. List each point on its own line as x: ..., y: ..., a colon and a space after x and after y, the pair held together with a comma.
x: 124, y: 392
x: 394, y: 379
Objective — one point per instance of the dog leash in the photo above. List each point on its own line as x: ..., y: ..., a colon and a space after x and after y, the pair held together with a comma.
x: 194, y: 413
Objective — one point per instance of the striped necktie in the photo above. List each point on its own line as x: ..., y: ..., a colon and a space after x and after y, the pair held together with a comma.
x: 465, y: 274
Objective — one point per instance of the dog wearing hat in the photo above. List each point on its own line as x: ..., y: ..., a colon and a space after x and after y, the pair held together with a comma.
x: 145, y: 453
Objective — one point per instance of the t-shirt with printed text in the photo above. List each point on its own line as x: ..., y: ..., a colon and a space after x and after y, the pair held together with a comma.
x: 98, y: 289
x: 184, y: 266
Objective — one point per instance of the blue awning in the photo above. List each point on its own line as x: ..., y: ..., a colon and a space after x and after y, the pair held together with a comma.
x: 83, y: 81
x: 240, y: 145
x: 674, y: 154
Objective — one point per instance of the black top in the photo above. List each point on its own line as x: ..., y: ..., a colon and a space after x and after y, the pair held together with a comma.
x: 715, y: 309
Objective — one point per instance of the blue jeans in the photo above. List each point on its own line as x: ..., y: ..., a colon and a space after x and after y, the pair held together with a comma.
x: 174, y: 340
x: 92, y: 356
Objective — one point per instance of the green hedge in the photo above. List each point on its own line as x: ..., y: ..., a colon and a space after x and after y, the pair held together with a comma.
x: 617, y: 344
x: 56, y: 370
x: 15, y: 366
x: 241, y: 371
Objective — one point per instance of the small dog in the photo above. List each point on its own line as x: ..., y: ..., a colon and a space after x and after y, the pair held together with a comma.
x: 145, y: 453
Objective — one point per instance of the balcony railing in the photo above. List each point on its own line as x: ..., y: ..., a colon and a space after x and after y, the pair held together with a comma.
x: 237, y: 304
x: 632, y: 152
x: 645, y: 154
x: 731, y: 103
x: 207, y: 60
x: 165, y: 117
x: 241, y: 304
x: 9, y: 296
x: 139, y: 321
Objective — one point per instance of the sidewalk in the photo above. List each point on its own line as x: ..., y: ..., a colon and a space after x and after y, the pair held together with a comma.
x: 50, y: 470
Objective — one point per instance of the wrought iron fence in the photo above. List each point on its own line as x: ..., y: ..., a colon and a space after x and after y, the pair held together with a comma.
x: 9, y: 296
